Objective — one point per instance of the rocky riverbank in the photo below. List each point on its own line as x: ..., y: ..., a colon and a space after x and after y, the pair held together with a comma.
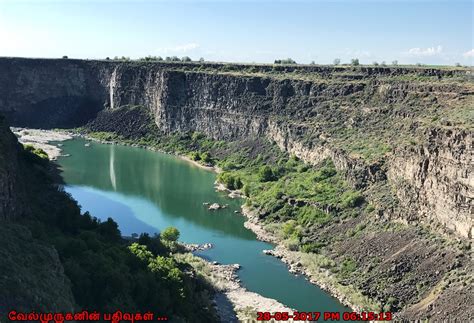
x: 43, y: 139
x: 294, y: 260
x: 233, y: 302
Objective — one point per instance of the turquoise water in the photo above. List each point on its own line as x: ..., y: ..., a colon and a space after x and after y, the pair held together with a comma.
x: 145, y: 191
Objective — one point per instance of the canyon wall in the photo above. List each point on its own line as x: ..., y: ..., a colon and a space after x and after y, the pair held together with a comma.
x: 312, y: 112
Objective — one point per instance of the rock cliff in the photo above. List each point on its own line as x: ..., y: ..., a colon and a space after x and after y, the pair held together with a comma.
x: 32, y: 276
x: 410, y: 128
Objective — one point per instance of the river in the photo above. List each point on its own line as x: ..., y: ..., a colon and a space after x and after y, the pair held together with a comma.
x: 146, y: 191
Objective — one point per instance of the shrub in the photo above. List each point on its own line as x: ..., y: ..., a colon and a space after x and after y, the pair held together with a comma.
x: 312, y: 247
x: 197, y: 136
x: 230, y: 181
x: 265, y: 174
x: 288, y: 228
x: 195, y: 156
x: 308, y: 215
x: 348, y: 266
x: 36, y: 151
x: 170, y: 234
x: 246, y: 190
x: 351, y: 199
x: 206, y: 157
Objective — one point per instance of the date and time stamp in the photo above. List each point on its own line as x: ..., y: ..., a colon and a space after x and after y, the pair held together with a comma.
x: 324, y: 316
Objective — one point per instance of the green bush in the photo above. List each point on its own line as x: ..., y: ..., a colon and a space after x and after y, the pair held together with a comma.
x: 195, y: 156
x: 230, y: 181
x: 170, y: 234
x: 265, y: 174
x: 37, y: 151
x: 312, y: 247
x: 348, y: 266
x: 308, y: 215
x: 288, y: 228
x: 351, y: 199
x: 206, y: 157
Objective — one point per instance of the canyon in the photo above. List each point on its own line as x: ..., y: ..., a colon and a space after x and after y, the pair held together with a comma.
x: 401, y: 135
x: 312, y: 112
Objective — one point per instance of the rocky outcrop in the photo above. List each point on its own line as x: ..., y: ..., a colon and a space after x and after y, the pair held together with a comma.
x: 12, y: 201
x: 435, y: 181
x: 32, y: 277
x: 312, y: 112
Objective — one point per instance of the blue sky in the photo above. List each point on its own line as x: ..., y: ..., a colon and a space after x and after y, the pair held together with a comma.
x: 430, y: 32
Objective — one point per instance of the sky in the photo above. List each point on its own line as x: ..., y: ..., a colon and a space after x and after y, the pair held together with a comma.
x: 419, y: 31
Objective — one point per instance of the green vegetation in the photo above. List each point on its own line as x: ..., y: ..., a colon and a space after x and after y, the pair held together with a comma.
x: 36, y: 151
x: 287, y: 61
x: 230, y: 181
x: 170, y: 234
x: 105, y: 271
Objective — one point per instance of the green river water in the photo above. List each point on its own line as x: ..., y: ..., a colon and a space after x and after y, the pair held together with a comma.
x: 145, y: 191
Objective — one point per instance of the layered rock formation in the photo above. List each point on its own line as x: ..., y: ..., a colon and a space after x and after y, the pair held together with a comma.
x: 410, y: 128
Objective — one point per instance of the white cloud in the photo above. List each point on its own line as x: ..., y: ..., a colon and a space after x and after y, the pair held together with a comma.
x: 469, y: 53
x: 179, y: 49
x: 430, y: 51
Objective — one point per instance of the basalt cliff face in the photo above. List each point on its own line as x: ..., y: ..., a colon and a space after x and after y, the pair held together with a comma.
x: 408, y: 128
x: 32, y: 276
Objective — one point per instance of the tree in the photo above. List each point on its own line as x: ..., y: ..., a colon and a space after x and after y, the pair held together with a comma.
x: 395, y: 63
x: 65, y: 57
x: 383, y: 63
x: 313, y: 63
x: 186, y: 59
x: 206, y: 157
x: 458, y: 64
x: 109, y: 229
x: 375, y: 64
x: 266, y: 174
x: 170, y: 234
x: 201, y: 60
x: 355, y: 62
x: 288, y: 61
x: 337, y: 61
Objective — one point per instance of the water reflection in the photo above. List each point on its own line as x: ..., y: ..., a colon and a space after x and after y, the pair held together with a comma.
x: 160, y: 188
x: 146, y: 192
x: 112, y: 168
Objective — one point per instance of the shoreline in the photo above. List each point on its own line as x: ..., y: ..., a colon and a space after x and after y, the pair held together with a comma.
x: 40, y: 138
x: 230, y: 293
x: 293, y: 260
x: 290, y: 258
